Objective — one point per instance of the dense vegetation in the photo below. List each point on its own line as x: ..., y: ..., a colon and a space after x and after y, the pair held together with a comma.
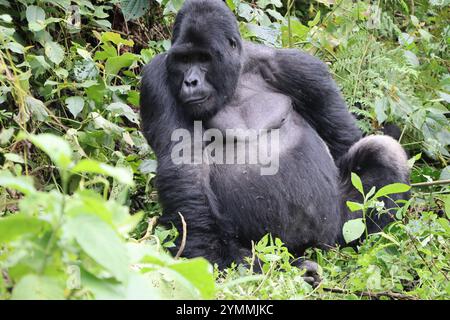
x: 78, y: 212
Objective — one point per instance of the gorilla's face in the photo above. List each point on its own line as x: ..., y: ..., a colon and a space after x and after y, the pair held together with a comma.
x: 205, y: 59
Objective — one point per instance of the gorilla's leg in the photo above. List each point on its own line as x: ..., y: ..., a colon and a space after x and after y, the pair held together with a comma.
x: 379, y: 161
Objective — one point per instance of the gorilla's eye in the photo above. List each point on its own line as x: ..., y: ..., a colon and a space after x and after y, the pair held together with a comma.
x: 203, y: 57
x: 184, y: 58
x: 232, y: 43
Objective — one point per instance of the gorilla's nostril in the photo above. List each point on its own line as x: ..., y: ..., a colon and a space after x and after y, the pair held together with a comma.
x: 191, y: 83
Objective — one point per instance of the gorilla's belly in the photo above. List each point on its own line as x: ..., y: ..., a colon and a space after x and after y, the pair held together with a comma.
x: 299, y: 196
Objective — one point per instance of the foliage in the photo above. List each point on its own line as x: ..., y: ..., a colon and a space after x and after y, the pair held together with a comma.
x: 78, y: 209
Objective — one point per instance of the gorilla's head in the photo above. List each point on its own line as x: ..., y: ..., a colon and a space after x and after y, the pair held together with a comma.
x: 204, y: 61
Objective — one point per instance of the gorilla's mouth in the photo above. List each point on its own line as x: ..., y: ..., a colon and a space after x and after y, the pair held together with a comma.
x: 196, y: 100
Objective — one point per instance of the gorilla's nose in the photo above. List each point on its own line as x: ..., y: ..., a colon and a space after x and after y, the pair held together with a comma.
x: 191, y: 82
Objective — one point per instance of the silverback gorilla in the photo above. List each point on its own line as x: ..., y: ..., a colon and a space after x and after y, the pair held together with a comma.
x: 211, y: 75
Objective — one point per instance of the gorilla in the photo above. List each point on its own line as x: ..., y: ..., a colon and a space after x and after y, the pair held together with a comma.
x: 211, y: 79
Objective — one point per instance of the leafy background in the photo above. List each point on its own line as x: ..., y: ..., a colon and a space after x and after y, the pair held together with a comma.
x: 78, y: 211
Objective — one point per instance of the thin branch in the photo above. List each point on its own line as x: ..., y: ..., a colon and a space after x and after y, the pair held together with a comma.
x: 150, y: 227
x: 376, y: 295
x: 431, y: 183
x: 183, y: 239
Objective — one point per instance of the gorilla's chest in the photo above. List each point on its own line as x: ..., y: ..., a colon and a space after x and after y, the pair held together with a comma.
x: 255, y: 106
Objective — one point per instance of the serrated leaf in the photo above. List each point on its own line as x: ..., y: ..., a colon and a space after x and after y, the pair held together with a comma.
x: 353, y: 229
x: 134, y: 9
x: 99, y: 241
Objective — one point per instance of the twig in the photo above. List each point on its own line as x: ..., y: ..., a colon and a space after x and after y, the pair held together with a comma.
x: 376, y: 295
x: 431, y: 183
x: 148, y: 233
x: 183, y: 239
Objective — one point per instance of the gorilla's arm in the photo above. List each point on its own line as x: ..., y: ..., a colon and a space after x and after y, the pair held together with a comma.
x: 182, y: 188
x: 316, y: 97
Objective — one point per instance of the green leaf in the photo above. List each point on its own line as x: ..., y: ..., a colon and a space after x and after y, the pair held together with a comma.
x: 34, y: 287
x: 114, y: 64
x: 17, y: 225
x: 354, y: 206
x: 36, y: 18
x: 134, y: 9
x: 391, y: 189
x: 353, y: 229
x: 198, y: 272
x: 22, y: 183
x: 121, y: 109
x: 447, y: 205
x: 54, y: 52
x: 37, y: 108
x: 55, y: 147
x: 99, y: 241
x: 14, y: 157
x: 356, y: 182
x: 75, y: 105
x: 116, y: 39
x: 123, y: 175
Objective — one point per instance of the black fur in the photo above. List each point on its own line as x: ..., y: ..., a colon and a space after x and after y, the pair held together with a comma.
x: 304, y: 203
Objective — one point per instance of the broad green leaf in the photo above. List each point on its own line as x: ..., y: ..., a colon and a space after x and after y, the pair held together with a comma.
x: 5, y: 135
x: 315, y: 21
x: 391, y: 189
x: 447, y: 205
x: 36, y: 18
x: 264, y: 3
x: 101, y: 243
x: 199, y: 273
x: 148, y: 166
x: 123, y: 175
x: 37, y: 287
x: 54, y: 52
x: 17, y: 225
x: 380, y: 109
x: 75, y: 105
x: 119, y: 108
x: 23, y: 184
x: 354, y: 206
x: 116, y: 39
x: 353, y: 229
x: 356, y: 182
x: 14, y: 157
x: 102, y: 289
x: 134, y: 9
x: 108, y: 126
x: 114, y: 64
x: 374, y: 278
x: 445, y: 173
x: 15, y: 47
x: 37, y: 108
x: 55, y: 147
x: 6, y: 18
